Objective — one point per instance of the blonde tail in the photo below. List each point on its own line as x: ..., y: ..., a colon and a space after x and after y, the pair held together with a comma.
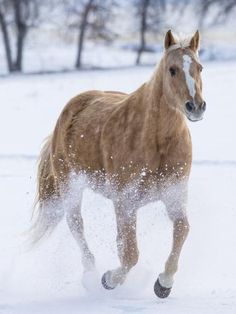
x: 47, y: 212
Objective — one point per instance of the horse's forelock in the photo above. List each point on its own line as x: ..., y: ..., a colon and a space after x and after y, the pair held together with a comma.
x: 181, y: 43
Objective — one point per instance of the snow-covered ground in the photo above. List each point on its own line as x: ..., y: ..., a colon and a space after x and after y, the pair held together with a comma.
x: 48, y: 278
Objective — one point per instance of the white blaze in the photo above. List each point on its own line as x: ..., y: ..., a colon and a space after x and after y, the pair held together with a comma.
x: 189, y: 79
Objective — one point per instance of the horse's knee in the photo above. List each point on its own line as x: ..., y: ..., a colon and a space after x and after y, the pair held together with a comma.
x: 182, y: 226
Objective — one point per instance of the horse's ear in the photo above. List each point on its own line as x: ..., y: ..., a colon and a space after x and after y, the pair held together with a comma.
x: 169, y: 39
x: 194, y: 42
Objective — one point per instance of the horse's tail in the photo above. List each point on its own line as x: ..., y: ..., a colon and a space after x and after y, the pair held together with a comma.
x: 46, y: 214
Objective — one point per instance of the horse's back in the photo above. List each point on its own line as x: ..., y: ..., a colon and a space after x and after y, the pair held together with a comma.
x: 88, y: 101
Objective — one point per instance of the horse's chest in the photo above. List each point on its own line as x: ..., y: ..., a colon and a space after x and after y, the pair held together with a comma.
x: 176, y: 157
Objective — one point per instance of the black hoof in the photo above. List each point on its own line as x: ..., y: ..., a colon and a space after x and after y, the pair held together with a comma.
x: 104, y: 283
x: 160, y: 291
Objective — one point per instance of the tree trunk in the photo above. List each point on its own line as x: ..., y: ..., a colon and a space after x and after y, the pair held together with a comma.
x: 6, y: 42
x: 143, y: 30
x: 21, y: 34
x: 82, y: 31
x: 20, y: 47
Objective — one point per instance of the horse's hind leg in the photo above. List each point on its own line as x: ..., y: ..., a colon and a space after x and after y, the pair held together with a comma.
x: 75, y: 223
x: 126, y: 245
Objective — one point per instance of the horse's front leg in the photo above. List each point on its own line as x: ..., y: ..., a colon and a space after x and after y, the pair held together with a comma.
x: 177, y: 214
x: 126, y: 246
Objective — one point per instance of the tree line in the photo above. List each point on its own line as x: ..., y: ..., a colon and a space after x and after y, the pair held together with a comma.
x: 95, y: 19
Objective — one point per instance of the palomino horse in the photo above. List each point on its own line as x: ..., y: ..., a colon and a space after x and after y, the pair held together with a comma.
x: 134, y: 148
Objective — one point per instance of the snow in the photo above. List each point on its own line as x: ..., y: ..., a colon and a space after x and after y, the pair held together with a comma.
x: 47, y: 279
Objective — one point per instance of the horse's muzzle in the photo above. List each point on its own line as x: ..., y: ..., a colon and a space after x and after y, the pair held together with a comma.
x: 193, y: 111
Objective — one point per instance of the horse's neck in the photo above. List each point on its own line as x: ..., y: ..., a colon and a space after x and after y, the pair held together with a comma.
x: 157, y: 112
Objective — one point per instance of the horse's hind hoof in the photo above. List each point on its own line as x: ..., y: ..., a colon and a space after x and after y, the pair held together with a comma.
x: 104, y: 282
x: 160, y: 291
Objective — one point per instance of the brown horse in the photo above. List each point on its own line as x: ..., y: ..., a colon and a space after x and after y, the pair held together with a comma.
x: 134, y: 148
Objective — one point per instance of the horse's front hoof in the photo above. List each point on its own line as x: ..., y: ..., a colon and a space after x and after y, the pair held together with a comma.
x: 104, y: 281
x: 160, y: 291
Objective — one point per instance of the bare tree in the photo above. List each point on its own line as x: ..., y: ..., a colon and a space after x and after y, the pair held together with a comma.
x: 16, y: 18
x: 83, y: 27
x: 91, y: 18
x: 223, y: 8
x: 143, y: 12
x: 149, y: 14
x: 5, y: 33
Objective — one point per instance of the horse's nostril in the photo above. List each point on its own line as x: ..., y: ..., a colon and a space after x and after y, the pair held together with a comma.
x: 204, y: 106
x: 189, y: 106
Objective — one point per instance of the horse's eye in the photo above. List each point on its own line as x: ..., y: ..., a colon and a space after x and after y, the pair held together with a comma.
x: 201, y: 68
x: 172, y: 71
